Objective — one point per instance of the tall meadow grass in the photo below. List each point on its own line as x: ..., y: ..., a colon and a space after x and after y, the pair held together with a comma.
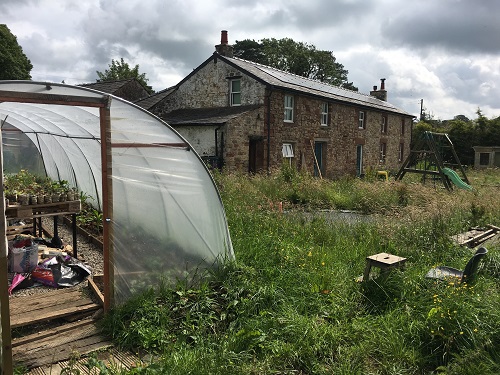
x: 290, y: 303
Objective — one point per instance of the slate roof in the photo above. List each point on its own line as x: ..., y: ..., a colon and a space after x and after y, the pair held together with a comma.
x: 206, y: 116
x: 152, y: 100
x: 108, y: 86
x: 288, y: 81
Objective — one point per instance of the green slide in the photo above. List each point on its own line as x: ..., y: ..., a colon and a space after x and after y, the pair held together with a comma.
x: 455, y: 178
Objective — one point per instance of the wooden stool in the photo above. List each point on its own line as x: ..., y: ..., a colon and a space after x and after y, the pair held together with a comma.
x: 384, y: 261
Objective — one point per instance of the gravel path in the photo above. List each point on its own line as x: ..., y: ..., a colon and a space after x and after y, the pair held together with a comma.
x: 87, y: 252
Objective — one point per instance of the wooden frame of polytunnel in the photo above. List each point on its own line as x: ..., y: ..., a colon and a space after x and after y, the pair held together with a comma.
x: 163, y: 218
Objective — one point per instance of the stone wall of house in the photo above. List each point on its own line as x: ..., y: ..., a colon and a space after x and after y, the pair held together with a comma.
x: 201, y: 138
x: 237, y: 135
x: 209, y: 88
x: 340, y: 137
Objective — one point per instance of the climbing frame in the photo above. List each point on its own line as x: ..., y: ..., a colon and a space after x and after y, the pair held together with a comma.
x: 433, y: 156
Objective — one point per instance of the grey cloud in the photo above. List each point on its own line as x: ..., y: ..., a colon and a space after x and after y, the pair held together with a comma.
x: 467, y: 82
x: 457, y: 26
x: 308, y: 14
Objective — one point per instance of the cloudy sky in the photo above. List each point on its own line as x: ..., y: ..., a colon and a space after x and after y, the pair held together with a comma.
x: 446, y: 52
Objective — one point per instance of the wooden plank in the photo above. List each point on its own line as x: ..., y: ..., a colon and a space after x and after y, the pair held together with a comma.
x: 46, y: 209
x: 27, y: 319
x: 491, y: 226
x: 52, y: 351
x: 471, y: 242
x: 57, y: 297
x: 47, y: 98
x: 97, y: 292
x: 48, y: 306
x: 67, y: 333
x: 41, y: 371
x: 37, y: 336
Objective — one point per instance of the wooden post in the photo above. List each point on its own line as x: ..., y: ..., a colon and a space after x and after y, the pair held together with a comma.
x: 6, y: 347
x: 107, y: 205
x: 316, y: 160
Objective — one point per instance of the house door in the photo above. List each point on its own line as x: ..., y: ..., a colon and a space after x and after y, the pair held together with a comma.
x: 319, y: 150
x: 256, y: 155
x: 359, y: 160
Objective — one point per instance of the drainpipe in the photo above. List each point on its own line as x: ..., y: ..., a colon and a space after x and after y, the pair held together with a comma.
x: 269, y: 131
x: 217, y: 148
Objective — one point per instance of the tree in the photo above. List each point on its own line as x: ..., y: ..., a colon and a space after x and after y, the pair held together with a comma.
x: 121, y: 70
x: 14, y: 64
x: 295, y: 57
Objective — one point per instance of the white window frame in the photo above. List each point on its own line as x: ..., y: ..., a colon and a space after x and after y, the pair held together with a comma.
x: 287, y: 150
x: 361, y: 119
x: 233, y: 93
x: 383, y: 125
x: 383, y: 152
x: 324, y: 114
x: 288, y: 113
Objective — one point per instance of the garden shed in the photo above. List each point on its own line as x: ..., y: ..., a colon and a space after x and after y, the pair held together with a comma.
x: 163, y: 216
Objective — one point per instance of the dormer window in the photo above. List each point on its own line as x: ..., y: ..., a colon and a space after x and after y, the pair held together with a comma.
x: 235, y: 92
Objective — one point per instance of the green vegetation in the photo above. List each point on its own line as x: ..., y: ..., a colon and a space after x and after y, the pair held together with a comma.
x: 14, y: 64
x: 290, y: 303
x: 298, y: 58
x: 121, y: 70
x: 463, y: 132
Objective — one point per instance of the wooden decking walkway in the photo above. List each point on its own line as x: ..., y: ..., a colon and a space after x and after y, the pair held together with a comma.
x: 69, y: 331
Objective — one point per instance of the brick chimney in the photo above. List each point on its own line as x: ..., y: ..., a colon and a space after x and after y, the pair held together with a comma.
x: 382, y: 93
x: 224, y: 48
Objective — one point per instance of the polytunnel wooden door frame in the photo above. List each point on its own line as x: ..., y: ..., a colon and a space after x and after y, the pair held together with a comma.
x: 103, y: 103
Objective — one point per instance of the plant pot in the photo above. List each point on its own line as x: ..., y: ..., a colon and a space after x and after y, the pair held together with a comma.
x: 33, y: 199
x: 24, y: 199
x: 12, y: 197
x: 55, y: 198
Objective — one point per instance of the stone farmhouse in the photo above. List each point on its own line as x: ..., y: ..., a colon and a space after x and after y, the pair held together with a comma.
x: 250, y: 117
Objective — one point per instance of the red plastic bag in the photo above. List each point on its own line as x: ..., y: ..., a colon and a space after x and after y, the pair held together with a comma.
x: 44, y: 276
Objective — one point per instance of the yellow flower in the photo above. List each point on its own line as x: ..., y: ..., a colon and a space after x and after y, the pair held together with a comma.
x: 309, y: 254
x: 461, y: 332
x: 322, y: 263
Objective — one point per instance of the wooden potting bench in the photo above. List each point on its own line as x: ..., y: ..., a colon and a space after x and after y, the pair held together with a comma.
x: 36, y: 212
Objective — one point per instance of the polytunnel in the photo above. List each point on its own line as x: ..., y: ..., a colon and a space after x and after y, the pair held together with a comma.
x: 163, y: 216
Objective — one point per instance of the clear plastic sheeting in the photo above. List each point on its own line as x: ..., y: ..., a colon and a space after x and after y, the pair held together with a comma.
x: 167, y: 220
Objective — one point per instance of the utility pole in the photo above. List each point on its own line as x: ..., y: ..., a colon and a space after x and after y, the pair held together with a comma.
x: 421, y: 109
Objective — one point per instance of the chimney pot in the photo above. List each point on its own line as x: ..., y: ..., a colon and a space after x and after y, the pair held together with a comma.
x: 374, y: 88
x: 223, y: 37
x: 382, y: 83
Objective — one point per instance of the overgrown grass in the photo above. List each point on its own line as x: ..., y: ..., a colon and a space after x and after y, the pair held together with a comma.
x: 290, y: 303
